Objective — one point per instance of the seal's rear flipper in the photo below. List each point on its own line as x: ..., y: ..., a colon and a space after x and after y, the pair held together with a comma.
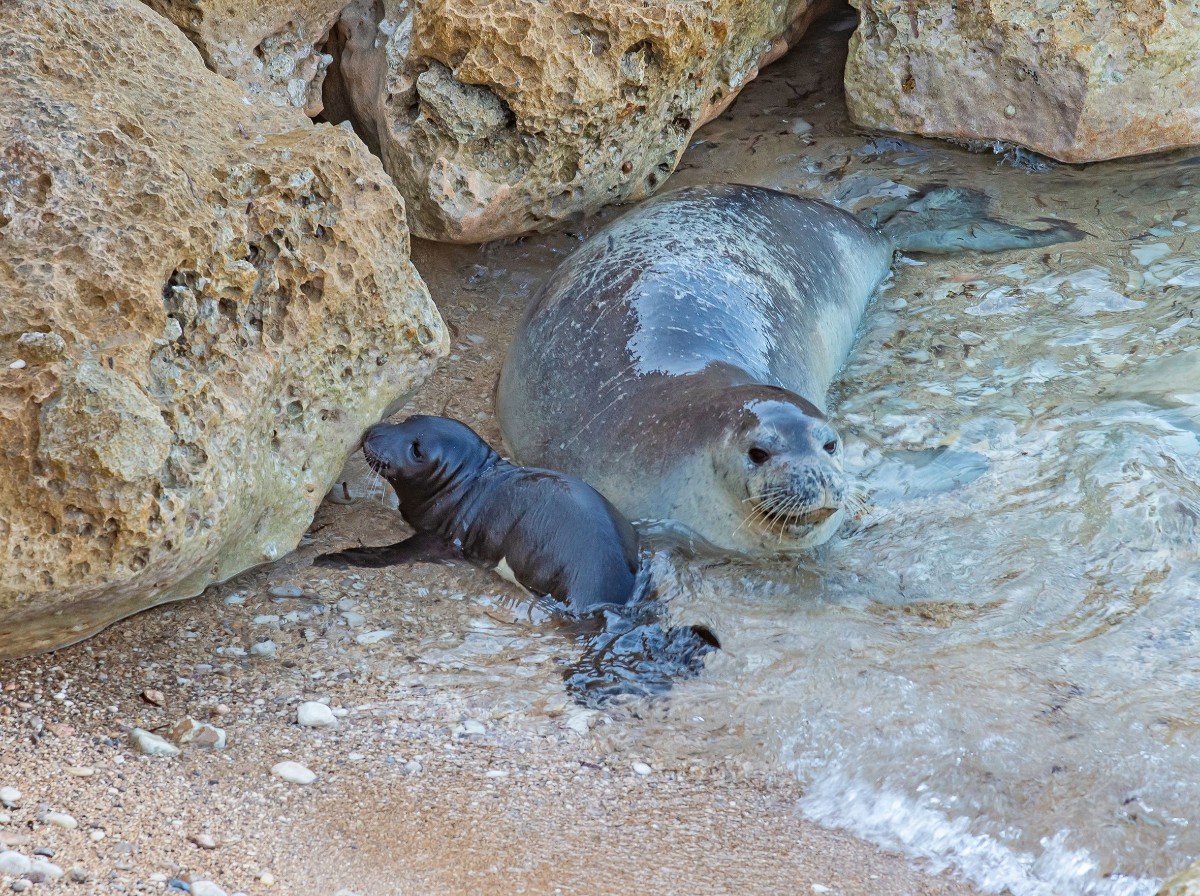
x: 949, y: 219
x: 424, y: 547
x: 634, y: 652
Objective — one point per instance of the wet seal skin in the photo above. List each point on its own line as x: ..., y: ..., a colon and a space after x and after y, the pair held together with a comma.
x: 550, y: 533
x: 679, y: 360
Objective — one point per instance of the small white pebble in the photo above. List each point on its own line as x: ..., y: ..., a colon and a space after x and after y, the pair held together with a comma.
x: 375, y: 636
x: 49, y: 869
x: 641, y: 768
x: 152, y: 744
x: 81, y: 771
x: 17, y: 364
x: 293, y: 772
x: 285, y: 591
x: 13, y: 864
x: 10, y: 796
x: 820, y: 888
x: 206, y: 888
x: 264, y: 648
x: 495, y: 773
x: 97, y: 835
x: 61, y: 820
x: 315, y: 715
x: 266, y: 879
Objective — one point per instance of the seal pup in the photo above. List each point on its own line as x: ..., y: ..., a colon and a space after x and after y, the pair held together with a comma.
x: 680, y: 359
x: 548, y: 532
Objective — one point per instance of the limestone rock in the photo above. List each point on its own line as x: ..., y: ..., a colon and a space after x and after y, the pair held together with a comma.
x: 496, y: 117
x: 212, y: 298
x: 271, y: 48
x: 1184, y: 883
x: 1076, y: 81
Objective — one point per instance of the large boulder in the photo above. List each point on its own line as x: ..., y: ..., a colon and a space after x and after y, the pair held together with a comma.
x: 203, y: 302
x: 271, y: 48
x: 1076, y: 81
x: 497, y: 117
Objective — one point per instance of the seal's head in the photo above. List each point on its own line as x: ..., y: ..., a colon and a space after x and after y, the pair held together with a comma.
x: 783, y: 462
x: 423, y: 455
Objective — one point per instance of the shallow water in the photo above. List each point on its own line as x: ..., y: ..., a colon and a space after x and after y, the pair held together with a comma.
x: 994, y: 668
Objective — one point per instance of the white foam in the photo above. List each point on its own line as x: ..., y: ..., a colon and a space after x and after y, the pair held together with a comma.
x: 896, y: 821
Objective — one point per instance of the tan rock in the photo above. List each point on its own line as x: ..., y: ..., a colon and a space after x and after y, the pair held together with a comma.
x: 212, y: 298
x: 1183, y: 883
x: 271, y: 48
x: 1075, y: 81
x: 496, y: 117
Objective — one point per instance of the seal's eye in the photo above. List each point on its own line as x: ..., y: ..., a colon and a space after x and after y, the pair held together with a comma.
x: 416, y: 452
x: 758, y: 456
x: 830, y: 446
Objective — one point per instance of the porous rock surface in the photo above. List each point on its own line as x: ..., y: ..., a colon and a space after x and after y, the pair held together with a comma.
x: 497, y: 117
x: 203, y: 302
x: 1078, y: 82
x: 272, y: 48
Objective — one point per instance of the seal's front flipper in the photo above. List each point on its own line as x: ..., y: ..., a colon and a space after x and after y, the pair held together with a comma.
x: 424, y: 547
x: 949, y: 219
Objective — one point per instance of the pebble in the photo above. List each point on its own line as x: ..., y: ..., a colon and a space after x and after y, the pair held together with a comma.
x: 20, y: 886
x: 17, y: 364
x: 267, y: 879
x: 78, y: 875
x: 97, y: 835
x: 204, y: 841
x: 641, y: 768
x: 154, y: 697
x: 61, y: 820
x: 315, y: 715
x: 581, y: 721
x: 285, y: 591
x: 152, y: 744
x: 206, y: 888
x: 81, y: 771
x: 5, y: 818
x: 293, y: 772
x: 190, y: 731
x: 820, y: 888
x: 471, y: 726
x: 10, y: 796
x: 13, y: 864
x: 48, y: 870
x: 375, y: 636
x: 264, y: 648
x: 354, y: 620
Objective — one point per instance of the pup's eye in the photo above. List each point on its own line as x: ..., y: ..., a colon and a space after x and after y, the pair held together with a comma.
x: 831, y: 446
x: 758, y: 455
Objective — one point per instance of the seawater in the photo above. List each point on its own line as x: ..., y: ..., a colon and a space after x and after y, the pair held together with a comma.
x: 995, y: 668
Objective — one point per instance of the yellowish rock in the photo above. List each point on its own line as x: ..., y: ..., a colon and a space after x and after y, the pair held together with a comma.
x: 213, y: 298
x: 1184, y: 883
x: 1078, y: 82
x: 497, y: 117
x: 273, y: 49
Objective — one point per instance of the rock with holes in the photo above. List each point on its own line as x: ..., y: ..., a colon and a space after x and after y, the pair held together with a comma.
x: 203, y: 302
x: 273, y: 49
x: 1075, y: 81
x: 496, y: 117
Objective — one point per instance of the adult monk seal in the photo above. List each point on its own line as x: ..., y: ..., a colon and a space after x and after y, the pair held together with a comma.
x: 550, y: 533
x: 679, y: 360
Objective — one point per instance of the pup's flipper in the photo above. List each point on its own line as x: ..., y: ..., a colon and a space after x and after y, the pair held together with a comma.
x: 424, y: 547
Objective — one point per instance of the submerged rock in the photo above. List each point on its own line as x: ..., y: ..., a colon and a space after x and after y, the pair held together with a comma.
x: 497, y: 117
x: 1077, y: 82
x: 271, y: 48
x: 213, y: 298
